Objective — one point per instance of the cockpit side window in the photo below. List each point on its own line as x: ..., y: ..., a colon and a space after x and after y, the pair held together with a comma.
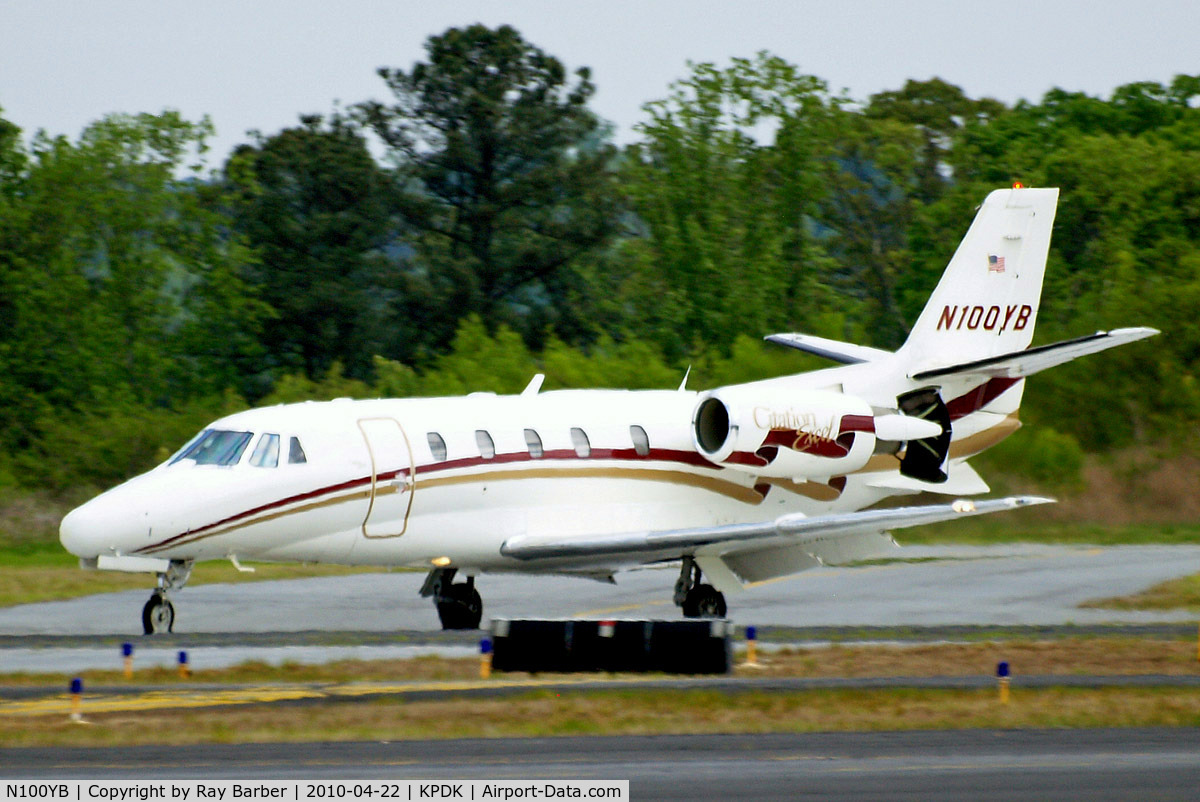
x: 216, y: 447
x: 296, y: 453
x: 266, y: 453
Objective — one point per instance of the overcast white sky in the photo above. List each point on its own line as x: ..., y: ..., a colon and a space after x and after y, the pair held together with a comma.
x: 257, y: 65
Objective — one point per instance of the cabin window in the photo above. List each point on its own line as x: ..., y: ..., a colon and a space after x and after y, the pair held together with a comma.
x: 487, y: 449
x: 296, y: 453
x: 266, y: 453
x: 534, y: 442
x: 641, y: 441
x: 437, y: 446
x: 579, y: 439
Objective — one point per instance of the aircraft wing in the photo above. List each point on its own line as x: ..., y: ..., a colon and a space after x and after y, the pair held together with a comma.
x: 1034, y: 360
x: 793, y: 530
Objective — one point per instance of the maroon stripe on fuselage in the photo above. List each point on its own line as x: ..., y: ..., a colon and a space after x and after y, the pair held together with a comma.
x: 655, y: 455
x: 964, y: 405
x: 978, y: 398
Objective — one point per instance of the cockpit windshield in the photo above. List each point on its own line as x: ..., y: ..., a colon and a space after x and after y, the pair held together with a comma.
x: 215, y: 447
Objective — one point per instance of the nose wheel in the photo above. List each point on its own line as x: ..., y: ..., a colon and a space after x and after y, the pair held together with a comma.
x: 158, y: 616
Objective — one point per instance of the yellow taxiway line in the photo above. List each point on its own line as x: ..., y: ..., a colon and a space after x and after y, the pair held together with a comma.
x: 60, y: 704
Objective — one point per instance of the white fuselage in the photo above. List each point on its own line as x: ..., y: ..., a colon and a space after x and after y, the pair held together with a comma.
x: 377, y: 488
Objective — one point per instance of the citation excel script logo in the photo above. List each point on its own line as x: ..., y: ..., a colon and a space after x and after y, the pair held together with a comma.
x: 799, y: 431
x: 989, y: 318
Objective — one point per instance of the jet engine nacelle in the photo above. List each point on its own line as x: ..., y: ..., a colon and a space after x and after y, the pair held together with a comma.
x: 811, y: 433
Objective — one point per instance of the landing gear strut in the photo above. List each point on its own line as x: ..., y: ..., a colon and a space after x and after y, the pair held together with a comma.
x: 697, y: 600
x: 158, y: 616
x: 459, y: 606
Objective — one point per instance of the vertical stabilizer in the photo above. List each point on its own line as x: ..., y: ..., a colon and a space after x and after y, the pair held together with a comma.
x: 987, y: 301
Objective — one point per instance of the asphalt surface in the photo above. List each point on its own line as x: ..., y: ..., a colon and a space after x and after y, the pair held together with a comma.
x: 1020, y: 585
x: 942, y: 592
x: 380, y: 616
x: 975, y: 764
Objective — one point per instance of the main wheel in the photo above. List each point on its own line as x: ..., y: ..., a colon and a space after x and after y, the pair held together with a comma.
x: 704, y: 601
x: 460, y: 607
x: 158, y: 616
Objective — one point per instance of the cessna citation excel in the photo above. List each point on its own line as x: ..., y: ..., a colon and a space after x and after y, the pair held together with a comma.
x: 739, y: 484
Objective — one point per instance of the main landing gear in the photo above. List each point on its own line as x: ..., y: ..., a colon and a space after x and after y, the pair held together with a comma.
x: 697, y: 600
x: 459, y: 606
x: 158, y: 616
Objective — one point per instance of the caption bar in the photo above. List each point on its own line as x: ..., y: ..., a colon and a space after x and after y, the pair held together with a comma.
x: 225, y: 790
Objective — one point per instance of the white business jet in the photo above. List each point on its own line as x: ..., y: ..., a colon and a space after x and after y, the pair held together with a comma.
x: 740, y: 484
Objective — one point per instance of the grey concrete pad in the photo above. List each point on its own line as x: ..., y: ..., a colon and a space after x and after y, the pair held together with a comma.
x: 1007, y: 585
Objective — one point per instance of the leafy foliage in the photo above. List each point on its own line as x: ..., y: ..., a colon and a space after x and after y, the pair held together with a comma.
x: 504, y: 235
x: 313, y: 204
x: 500, y: 169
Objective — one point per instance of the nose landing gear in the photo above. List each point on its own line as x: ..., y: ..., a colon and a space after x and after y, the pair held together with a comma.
x: 158, y: 616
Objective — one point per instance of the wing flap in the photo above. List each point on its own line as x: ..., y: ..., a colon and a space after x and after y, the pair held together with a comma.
x: 797, y: 528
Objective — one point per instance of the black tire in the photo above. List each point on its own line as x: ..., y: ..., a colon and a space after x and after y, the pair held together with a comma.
x: 704, y: 601
x: 460, y: 608
x: 158, y: 616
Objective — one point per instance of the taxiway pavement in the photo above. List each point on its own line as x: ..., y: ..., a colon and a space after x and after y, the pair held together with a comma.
x: 1017, y: 585
x: 1097, y: 764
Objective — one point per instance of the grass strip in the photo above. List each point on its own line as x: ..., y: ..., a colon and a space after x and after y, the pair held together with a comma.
x: 990, y: 530
x: 1182, y: 593
x: 632, y: 712
x: 1068, y: 656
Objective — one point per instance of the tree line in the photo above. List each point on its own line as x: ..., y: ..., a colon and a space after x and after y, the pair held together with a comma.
x: 477, y: 223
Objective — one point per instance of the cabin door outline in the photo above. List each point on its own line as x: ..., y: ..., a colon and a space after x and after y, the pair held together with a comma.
x: 393, y: 477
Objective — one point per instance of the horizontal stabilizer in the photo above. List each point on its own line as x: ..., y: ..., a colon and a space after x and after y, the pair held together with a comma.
x: 845, y: 353
x: 1019, y: 364
x: 796, y: 527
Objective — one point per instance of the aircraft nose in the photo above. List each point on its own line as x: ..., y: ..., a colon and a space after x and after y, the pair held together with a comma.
x: 89, y: 529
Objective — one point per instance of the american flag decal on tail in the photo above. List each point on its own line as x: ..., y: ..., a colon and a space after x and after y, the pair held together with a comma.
x: 995, y: 264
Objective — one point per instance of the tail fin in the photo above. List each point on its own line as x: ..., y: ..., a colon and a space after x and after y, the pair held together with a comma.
x: 986, y: 303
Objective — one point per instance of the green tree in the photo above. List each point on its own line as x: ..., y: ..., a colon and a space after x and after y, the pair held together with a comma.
x: 937, y: 110
x: 725, y: 242
x: 502, y: 171
x: 313, y: 204
x: 121, y: 283
x: 1125, y: 250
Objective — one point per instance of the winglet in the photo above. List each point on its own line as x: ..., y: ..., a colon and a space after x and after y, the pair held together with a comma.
x: 683, y: 384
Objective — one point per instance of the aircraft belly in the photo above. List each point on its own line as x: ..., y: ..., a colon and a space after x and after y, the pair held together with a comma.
x: 469, y: 521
